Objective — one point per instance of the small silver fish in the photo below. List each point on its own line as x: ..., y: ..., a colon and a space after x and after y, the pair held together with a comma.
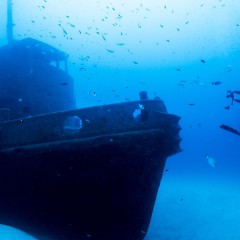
x: 211, y: 160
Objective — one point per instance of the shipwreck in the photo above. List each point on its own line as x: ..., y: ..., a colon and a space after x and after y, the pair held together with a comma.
x: 67, y: 173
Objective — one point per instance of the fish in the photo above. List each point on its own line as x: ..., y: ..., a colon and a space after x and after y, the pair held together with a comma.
x: 92, y: 93
x: 109, y: 50
x: 211, y: 160
x: 203, y: 61
x: 103, y: 37
x: 216, y: 83
x: 64, y: 31
x: 71, y: 25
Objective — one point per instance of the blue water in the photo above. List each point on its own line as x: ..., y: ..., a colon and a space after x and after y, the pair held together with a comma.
x: 171, y: 49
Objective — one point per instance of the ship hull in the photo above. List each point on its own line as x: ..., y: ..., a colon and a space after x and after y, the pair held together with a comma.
x: 99, y: 183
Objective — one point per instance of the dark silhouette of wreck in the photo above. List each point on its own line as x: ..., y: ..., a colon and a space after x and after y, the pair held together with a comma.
x: 72, y: 174
x: 80, y: 173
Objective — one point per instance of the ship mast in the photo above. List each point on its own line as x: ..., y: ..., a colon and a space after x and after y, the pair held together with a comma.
x: 9, y: 22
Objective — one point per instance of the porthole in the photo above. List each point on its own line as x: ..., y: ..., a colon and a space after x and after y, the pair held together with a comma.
x: 72, y: 125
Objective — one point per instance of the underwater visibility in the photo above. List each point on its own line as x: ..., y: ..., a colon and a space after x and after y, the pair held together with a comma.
x: 119, y: 120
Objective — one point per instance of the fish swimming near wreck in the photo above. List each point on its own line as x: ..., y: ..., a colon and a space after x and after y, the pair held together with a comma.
x: 216, y: 83
x: 211, y: 160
